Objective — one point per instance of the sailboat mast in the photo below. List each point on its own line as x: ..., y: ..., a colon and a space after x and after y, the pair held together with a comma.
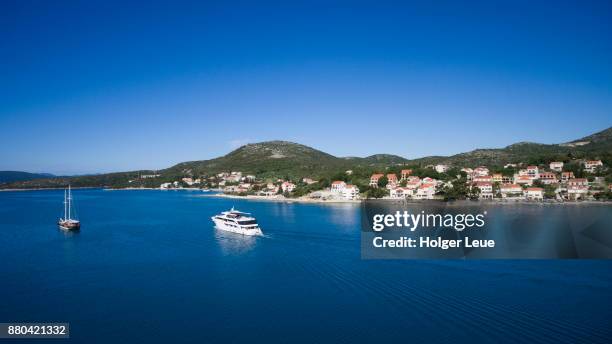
x: 65, y: 205
x: 69, y: 201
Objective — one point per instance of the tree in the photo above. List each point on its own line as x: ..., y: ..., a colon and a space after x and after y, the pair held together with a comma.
x: 376, y: 192
x: 383, y: 181
x: 473, y: 192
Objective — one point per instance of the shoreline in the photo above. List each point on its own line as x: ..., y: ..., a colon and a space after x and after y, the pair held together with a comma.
x: 409, y: 201
x: 280, y: 198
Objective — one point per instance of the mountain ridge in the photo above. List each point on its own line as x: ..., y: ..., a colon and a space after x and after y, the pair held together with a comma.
x: 284, y: 159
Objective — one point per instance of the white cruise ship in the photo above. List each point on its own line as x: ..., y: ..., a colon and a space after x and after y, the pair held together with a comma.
x: 237, y: 222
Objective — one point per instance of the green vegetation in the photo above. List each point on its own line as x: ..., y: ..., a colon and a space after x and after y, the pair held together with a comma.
x: 291, y: 161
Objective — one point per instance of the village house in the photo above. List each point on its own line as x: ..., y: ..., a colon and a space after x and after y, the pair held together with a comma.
x: 287, y: 187
x: 575, y: 192
x: 486, y: 190
x: 483, y: 179
x: 440, y: 168
x: 405, y: 174
x: 468, y: 171
x: 548, y: 178
x: 350, y: 192
x: 523, y: 180
x: 374, y: 179
x: 511, y: 191
x: 578, y: 182
x: 556, y: 166
x: 425, y: 191
x: 400, y: 192
x: 533, y: 172
x: 188, y: 181
x: 413, y: 185
x: 534, y: 194
x: 337, y: 186
x: 506, y: 180
x: 592, y: 165
x: 392, y: 180
x: 565, y: 176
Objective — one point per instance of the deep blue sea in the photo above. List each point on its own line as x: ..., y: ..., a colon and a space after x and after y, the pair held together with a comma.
x: 148, y: 266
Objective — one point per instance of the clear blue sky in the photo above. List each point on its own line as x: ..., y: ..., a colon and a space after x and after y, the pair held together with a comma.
x: 90, y: 87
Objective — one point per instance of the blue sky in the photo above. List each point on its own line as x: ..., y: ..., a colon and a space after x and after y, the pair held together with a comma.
x: 88, y: 87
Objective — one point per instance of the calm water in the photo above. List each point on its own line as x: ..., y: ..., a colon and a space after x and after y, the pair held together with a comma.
x: 148, y: 266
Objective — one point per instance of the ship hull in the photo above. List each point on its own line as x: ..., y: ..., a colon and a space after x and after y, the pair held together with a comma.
x: 69, y: 225
x: 221, y: 225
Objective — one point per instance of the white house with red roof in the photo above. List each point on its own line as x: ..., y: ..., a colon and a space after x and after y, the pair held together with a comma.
x: 391, y: 180
x: 486, y: 190
x: 592, y: 165
x: 337, y: 186
x: 405, y: 174
x: 578, y: 182
x: 374, y: 179
x: 534, y: 194
x: 556, y: 166
x: 400, y: 192
x: 548, y: 178
x: 565, y: 176
x: 523, y: 180
x: 575, y: 192
x: 533, y: 172
x: 350, y: 192
x: 425, y: 191
x: 287, y: 187
x: 511, y: 191
x: 483, y: 179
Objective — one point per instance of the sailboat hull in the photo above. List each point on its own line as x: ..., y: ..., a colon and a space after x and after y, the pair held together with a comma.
x: 69, y: 225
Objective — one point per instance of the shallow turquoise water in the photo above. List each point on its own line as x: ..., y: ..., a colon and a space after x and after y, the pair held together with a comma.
x: 149, y: 266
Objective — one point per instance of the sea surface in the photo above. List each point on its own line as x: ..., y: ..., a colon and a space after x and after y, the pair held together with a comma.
x: 148, y: 266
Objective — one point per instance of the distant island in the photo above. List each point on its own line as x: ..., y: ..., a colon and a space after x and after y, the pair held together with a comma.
x: 14, y: 176
x: 568, y: 171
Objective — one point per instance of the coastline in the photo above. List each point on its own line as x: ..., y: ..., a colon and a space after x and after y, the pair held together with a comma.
x: 392, y: 200
x: 280, y: 198
x: 43, y: 189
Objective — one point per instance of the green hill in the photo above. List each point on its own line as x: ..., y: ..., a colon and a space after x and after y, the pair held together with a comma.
x: 13, y: 176
x: 291, y: 160
x: 280, y: 158
x: 596, y: 146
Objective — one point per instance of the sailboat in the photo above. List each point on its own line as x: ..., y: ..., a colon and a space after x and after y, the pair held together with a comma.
x: 68, y: 222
